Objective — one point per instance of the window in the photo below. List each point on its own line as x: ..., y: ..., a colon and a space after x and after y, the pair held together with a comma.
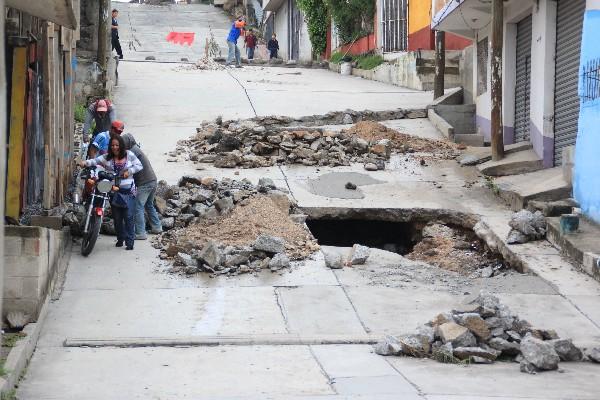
x: 482, y: 66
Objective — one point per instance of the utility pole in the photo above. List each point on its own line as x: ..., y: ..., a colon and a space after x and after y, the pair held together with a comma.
x: 440, y: 64
x: 2, y: 146
x: 496, y: 87
x: 102, y: 56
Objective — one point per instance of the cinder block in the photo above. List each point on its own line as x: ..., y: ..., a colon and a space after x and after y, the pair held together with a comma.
x: 13, y: 288
x: 31, y: 287
x: 13, y: 245
x: 31, y: 246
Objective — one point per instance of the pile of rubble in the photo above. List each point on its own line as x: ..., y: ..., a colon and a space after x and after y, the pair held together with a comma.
x: 207, y: 63
x: 482, y: 332
x: 526, y: 226
x: 253, y: 143
x: 229, y: 227
x: 456, y: 249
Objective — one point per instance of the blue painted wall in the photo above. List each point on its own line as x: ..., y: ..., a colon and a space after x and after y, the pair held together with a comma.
x: 586, y: 179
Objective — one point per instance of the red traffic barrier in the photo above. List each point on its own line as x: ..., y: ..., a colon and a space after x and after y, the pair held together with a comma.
x: 181, y: 37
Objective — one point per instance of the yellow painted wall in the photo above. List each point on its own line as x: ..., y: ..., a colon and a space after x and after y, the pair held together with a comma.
x: 419, y: 15
x: 17, y: 133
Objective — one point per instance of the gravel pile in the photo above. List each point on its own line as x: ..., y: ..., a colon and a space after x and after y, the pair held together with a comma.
x: 482, y: 332
x: 229, y: 227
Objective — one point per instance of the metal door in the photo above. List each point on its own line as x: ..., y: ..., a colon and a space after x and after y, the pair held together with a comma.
x: 569, y: 24
x: 523, y: 82
x: 394, y: 25
x: 294, y: 26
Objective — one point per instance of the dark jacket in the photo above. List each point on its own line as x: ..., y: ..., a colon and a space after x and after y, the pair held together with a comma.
x: 102, y: 124
x: 147, y: 174
x: 273, y: 45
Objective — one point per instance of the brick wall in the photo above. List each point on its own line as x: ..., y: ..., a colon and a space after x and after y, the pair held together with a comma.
x: 31, y: 258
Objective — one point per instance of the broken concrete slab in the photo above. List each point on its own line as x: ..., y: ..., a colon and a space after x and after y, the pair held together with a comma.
x: 513, y: 163
x: 544, y: 185
x: 478, y: 155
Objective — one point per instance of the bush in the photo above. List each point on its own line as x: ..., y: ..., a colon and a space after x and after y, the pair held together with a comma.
x: 368, y: 61
x: 336, y: 57
x: 79, y: 113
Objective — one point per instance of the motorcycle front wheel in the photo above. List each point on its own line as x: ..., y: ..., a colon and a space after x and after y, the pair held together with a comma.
x: 89, y: 238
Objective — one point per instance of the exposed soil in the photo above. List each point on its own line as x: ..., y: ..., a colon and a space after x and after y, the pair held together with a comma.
x: 373, y: 131
x: 454, y: 249
x: 250, y: 218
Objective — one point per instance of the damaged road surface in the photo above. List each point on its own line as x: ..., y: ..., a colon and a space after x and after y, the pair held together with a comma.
x: 127, y: 326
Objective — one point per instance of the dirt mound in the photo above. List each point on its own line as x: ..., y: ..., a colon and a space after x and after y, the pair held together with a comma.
x: 372, y: 131
x: 455, y: 250
x: 250, y: 218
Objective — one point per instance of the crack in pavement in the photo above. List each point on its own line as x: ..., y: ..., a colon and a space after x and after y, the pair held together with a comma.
x: 245, y: 91
x: 365, y: 327
x: 287, y: 183
x: 281, y: 306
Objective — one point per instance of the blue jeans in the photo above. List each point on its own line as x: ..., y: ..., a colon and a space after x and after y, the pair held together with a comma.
x: 123, y: 217
x: 250, y: 51
x: 234, y: 52
x: 144, y: 200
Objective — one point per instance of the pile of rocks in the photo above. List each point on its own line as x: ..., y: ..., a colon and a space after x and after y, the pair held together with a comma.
x: 229, y: 226
x: 481, y: 332
x: 207, y: 63
x: 266, y: 141
x: 526, y: 226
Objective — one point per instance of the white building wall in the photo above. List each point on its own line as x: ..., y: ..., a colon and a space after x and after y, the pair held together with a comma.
x: 305, y: 53
x: 280, y: 27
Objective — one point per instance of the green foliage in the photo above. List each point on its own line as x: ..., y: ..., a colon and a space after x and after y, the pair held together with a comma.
x: 316, y: 16
x: 11, y: 339
x: 368, y: 61
x: 10, y: 395
x: 353, y: 18
x: 336, y: 57
x: 79, y: 113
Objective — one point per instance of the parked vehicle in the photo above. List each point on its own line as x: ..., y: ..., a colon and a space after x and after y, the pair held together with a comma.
x: 96, y: 197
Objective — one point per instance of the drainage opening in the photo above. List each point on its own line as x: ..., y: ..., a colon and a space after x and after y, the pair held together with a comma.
x: 397, y: 237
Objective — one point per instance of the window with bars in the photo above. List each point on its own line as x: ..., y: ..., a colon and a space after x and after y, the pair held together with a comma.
x: 394, y: 26
x: 590, y: 88
x: 482, y: 66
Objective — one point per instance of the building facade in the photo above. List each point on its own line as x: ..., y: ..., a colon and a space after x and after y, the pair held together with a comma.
x: 542, y: 38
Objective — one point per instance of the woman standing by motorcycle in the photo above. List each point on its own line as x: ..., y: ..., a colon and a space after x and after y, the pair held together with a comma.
x: 122, y: 163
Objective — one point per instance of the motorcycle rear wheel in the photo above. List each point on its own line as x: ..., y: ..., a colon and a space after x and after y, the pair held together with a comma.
x: 89, y: 239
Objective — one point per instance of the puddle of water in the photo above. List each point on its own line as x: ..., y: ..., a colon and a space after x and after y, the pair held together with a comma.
x: 212, y: 314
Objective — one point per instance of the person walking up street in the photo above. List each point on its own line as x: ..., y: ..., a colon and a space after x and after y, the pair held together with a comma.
x: 234, y: 34
x: 101, y: 111
x: 250, y: 43
x: 125, y: 164
x: 145, y: 183
x: 114, y: 34
x: 273, y: 47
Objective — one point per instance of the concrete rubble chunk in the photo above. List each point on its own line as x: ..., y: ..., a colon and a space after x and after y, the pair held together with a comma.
x: 465, y: 353
x: 532, y: 225
x: 566, y: 350
x: 267, y: 182
x: 224, y: 205
x: 388, y: 346
x: 333, y: 260
x: 594, y: 354
x: 359, y: 254
x: 211, y: 255
x: 269, y: 244
x: 504, y: 346
x: 474, y: 323
x: 415, y: 345
x: 185, y: 259
x: 371, y: 166
x: 528, y: 368
x: 539, y: 353
x: 279, y: 261
x: 459, y: 336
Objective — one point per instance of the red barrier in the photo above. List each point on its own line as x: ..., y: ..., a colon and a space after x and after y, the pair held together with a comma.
x: 181, y: 37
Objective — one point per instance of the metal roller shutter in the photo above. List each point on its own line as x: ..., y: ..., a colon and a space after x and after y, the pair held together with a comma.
x: 523, y: 83
x: 569, y: 24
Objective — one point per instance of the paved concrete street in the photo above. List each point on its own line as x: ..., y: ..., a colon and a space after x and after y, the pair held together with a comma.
x: 126, y: 296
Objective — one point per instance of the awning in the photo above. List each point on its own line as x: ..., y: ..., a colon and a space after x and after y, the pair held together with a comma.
x: 272, y: 5
x: 463, y: 17
x: 58, y: 11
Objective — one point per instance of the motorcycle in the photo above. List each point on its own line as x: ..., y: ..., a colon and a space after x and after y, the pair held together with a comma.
x: 96, y: 195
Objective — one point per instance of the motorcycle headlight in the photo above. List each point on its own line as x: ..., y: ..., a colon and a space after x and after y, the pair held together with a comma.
x: 104, y: 186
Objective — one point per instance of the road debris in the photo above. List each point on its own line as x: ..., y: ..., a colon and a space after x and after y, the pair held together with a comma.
x: 229, y: 227
x: 456, y: 249
x: 526, y: 226
x: 266, y: 141
x: 483, y: 331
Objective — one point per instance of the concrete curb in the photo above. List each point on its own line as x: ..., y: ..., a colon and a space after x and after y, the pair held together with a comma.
x: 19, y: 356
x: 242, y: 340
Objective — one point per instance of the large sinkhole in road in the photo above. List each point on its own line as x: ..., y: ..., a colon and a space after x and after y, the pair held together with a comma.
x: 397, y: 237
x: 445, y: 241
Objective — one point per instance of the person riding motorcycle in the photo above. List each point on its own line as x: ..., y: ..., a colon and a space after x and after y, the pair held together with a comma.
x: 124, y: 163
